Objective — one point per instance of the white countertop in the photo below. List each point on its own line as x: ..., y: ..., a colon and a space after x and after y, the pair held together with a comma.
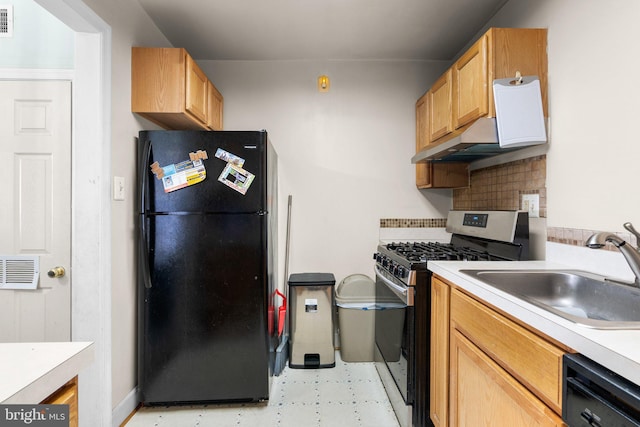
x: 30, y: 372
x: 618, y: 350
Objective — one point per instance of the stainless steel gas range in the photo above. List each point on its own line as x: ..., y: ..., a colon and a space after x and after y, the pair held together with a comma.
x: 402, y: 320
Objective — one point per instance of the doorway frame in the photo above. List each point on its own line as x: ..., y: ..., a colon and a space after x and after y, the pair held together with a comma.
x: 90, y: 196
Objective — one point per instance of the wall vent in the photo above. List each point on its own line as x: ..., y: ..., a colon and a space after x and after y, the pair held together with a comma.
x: 19, y: 272
x: 6, y: 20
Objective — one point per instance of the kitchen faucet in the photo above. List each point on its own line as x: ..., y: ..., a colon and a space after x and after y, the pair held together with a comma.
x: 631, y: 254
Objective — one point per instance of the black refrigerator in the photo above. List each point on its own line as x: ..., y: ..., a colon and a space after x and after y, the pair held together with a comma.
x: 206, y: 261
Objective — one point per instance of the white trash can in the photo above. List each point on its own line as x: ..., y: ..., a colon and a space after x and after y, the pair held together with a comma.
x: 355, y: 298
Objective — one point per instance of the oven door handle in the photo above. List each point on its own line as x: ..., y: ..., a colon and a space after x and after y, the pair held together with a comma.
x: 404, y: 292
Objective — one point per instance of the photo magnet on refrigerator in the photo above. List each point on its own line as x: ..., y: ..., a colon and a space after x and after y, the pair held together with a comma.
x: 236, y: 178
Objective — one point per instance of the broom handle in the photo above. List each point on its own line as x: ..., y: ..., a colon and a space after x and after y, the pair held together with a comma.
x: 286, y: 264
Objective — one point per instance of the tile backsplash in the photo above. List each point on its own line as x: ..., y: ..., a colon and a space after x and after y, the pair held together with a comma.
x: 501, y: 187
x: 413, y: 222
x: 577, y: 237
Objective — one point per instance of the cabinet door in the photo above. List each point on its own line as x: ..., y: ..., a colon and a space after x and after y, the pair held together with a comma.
x: 67, y: 395
x: 534, y: 361
x: 423, y: 175
x: 439, y: 360
x: 470, y: 91
x: 197, y: 88
x: 214, y: 113
x: 157, y: 80
x: 440, y: 95
x: 422, y: 139
x: 483, y: 394
x: 442, y: 175
x: 422, y: 122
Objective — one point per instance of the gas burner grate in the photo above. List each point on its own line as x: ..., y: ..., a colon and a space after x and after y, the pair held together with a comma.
x: 425, y: 251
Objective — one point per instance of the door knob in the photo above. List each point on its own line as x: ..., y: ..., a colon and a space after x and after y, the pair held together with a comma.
x: 56, y: 272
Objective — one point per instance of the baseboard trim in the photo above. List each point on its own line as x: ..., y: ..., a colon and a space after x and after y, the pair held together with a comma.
x: 125, y: 408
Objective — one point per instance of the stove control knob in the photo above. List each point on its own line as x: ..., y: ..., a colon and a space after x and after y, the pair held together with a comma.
x: 401, y: 272
x: 393, y: 268
x: 385, y: 261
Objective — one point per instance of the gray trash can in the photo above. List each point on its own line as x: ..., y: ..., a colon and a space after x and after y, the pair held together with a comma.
x: 311, y: 302
x: 355, y: 298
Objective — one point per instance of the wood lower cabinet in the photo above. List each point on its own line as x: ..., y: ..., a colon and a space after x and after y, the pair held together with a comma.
x: 169, y: 89
x: 484, y: 394
x: 488, y: 369
x: 536, y: 362
x: 67, y: 395
x: 439, y: 358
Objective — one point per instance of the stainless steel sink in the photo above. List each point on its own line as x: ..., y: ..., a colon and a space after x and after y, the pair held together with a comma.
x: 581, y: 297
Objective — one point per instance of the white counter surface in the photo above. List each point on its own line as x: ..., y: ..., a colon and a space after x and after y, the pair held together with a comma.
x: 618, y: 350
x: 30, y: 372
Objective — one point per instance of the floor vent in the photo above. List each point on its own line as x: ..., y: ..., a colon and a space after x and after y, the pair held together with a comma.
x: 6, y: 20
x: 19, y: 272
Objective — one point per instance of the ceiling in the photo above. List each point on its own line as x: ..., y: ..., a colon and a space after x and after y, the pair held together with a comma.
x: 321, y: 30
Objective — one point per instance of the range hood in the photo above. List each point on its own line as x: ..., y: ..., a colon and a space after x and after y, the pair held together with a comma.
x: 480, y: 140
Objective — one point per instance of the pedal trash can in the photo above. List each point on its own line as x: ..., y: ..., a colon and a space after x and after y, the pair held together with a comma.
x: 355, y: 298
x: 311, y: 301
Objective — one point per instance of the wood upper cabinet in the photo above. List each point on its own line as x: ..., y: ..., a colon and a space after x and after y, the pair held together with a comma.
x: 169, y: 89
x: 471, y: 87
x: 197, y: 90
x: 216, y: 102
x: 442, y: 175
x: 67, y: 395
x: 430, y: 174
x: 464, y: 92
x: 498, y: 54
x: 422, y: 139
x: 440, y: 99
x: 422, y: 122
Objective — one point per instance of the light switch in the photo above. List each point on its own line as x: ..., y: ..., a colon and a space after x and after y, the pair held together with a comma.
x: 118, y: 188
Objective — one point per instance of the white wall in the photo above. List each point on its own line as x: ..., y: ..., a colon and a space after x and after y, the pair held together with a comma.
x: 344, y: 155
x: 130, y: 27
x: 594, y: 103
x: 39, y: 39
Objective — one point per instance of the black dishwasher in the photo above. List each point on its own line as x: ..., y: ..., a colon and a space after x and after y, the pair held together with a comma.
x: 593, y: 396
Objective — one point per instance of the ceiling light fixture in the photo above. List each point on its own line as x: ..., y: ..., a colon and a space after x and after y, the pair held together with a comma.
x: 323, y: 83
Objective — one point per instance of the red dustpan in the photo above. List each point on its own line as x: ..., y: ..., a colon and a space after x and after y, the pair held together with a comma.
x: 270, y: 318
x: 282, y: 311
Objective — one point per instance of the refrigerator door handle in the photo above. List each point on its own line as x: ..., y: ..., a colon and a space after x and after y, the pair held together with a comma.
x: 144, y: 181
x: 144, y: 253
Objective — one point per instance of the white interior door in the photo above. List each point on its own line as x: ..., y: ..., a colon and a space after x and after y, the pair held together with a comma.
x: 35, y: 208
